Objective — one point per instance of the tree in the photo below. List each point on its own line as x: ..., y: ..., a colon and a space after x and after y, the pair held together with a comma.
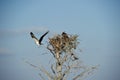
x: 66, y: 64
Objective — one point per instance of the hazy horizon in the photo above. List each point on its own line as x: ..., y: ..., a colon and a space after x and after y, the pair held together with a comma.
x: 97, y: 22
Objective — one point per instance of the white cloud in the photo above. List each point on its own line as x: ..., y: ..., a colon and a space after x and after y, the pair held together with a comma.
x: 5, y: 51
x: 21, y: 31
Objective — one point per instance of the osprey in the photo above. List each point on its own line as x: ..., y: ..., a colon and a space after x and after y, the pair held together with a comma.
x: 38, y: 42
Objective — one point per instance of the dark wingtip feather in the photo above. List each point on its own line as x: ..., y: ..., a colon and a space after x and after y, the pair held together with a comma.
x: 47, y: 32
x: 32, y: 35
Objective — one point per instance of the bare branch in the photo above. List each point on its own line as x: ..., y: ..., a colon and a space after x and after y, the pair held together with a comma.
x: 41, y: 76
x: 51, y: 50
x: 42, y: 70
x: 52, y: 68
x: 66, y: 72
x: 85, y: 73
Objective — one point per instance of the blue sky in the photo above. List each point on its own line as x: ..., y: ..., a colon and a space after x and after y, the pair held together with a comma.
x: 97, y: 22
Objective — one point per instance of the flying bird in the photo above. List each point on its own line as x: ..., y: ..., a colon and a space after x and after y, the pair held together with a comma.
x: 38, y: 42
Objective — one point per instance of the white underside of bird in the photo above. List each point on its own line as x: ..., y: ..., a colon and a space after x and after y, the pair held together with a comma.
x: 36, y: 42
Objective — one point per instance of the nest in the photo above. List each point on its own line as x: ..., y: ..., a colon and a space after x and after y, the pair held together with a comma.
x: 63, y: 43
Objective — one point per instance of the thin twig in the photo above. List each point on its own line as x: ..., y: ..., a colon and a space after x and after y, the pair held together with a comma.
x: 42, y: 70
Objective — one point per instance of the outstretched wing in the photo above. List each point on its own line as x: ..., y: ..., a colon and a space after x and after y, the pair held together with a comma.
x: 32, y: 35
x: 41, y: 38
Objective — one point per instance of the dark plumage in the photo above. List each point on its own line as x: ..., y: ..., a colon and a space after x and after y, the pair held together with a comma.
x: 65, y: 35
x: 38, y: 42
x: 74, y: 57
